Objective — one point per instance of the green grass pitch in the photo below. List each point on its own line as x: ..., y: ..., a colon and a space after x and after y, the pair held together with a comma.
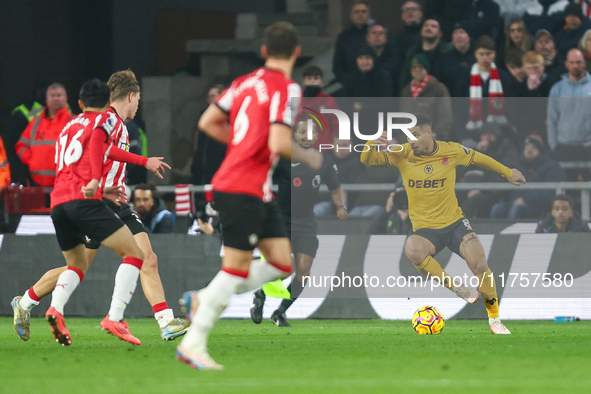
x: 313, y: 356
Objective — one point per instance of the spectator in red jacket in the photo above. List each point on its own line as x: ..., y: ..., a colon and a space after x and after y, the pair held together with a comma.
x: 36, y: 147
x: 4, y: 167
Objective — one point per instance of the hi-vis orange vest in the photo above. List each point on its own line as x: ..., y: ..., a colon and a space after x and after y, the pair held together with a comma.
x: 36, y: 147
x: 4, y: 167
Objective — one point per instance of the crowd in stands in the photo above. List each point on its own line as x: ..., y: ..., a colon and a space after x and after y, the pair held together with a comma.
x: 507, y: 78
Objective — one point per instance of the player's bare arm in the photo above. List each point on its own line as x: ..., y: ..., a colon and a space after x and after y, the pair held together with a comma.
x: 214, y: 122
x: 280, y: 142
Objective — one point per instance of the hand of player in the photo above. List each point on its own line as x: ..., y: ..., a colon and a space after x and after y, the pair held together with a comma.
x: 115, y: 194
x: 90, y: 190
x: 205, y: 227
x: 342, y: 213
x: 155, y: 164
x: 382, y: 140
x: 516, y: 178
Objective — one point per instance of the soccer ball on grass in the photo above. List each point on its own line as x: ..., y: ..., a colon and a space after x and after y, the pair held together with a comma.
x: 428, y: 320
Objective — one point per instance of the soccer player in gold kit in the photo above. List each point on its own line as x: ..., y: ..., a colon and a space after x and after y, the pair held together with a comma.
x: 428, y: 168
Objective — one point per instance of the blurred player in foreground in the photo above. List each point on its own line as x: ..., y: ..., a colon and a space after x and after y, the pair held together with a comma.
x: 125, y: 96
x: 254, y: 118
x: 428, y: 168
x: 298, y: 192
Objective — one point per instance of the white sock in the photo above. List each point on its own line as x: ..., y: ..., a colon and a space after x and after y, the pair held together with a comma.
x: 164, y: 317
x: 212, y: 301
x: 259, y: 273
x: 65, y: 286
x: 492, y: 320
x: 27, y: 303
x: 125, y: 284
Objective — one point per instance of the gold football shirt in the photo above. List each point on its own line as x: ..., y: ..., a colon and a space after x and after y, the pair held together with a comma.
x: 430, y: 179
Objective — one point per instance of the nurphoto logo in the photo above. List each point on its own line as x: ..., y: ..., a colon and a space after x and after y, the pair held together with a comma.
x: 344, y: 124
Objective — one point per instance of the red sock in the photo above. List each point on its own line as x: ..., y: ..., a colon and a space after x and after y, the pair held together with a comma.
x: 33, y: 295
x: 159, y: 307
x: 77, y: 271
x: 133, y: 261
x: 236, y: 272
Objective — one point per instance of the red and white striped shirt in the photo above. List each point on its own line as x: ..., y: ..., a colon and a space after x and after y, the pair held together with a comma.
x: 114, y: 171
x: 586, y: 7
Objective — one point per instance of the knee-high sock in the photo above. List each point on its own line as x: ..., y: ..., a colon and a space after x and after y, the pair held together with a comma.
x: 432, y: 267
x: 65, y: 286
x: 259, y: 273
x: 212, y: 301
x: 488, y: 289
x: 295, y: 288
x: 125, y: 284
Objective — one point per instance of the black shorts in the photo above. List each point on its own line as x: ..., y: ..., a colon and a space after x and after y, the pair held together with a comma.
x: 306, y: 244
x: 246, y: 220
x: 129, y: 217
x: 450, y: 236
x: 76, y: 219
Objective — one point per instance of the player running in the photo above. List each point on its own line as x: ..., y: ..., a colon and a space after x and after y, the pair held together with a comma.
x: 253, y: 117
x: 77, y: 211
x: 428, y: 168
x: 298, y: 192
x: 125, y: 96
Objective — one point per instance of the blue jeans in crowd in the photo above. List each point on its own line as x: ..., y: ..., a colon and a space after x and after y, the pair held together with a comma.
x: 366, y: 210
x: 501, y: 210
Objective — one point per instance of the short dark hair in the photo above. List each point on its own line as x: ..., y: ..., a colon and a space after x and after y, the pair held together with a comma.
x: 281, y: 40
x: 514, y: 57
x: 365, y: 2
x: 485, y: 42
x: 95, y: 93
x: 423, y: 120
x: 374, y: 23
x: 313, y: 71
x: 143, y: 186
x: 405, y: 2
x: 564, y: 197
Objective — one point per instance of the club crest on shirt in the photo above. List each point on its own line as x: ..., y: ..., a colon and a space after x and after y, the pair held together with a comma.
x: 253, y: 239
x: 428, y: 168
x: 316, y: 181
